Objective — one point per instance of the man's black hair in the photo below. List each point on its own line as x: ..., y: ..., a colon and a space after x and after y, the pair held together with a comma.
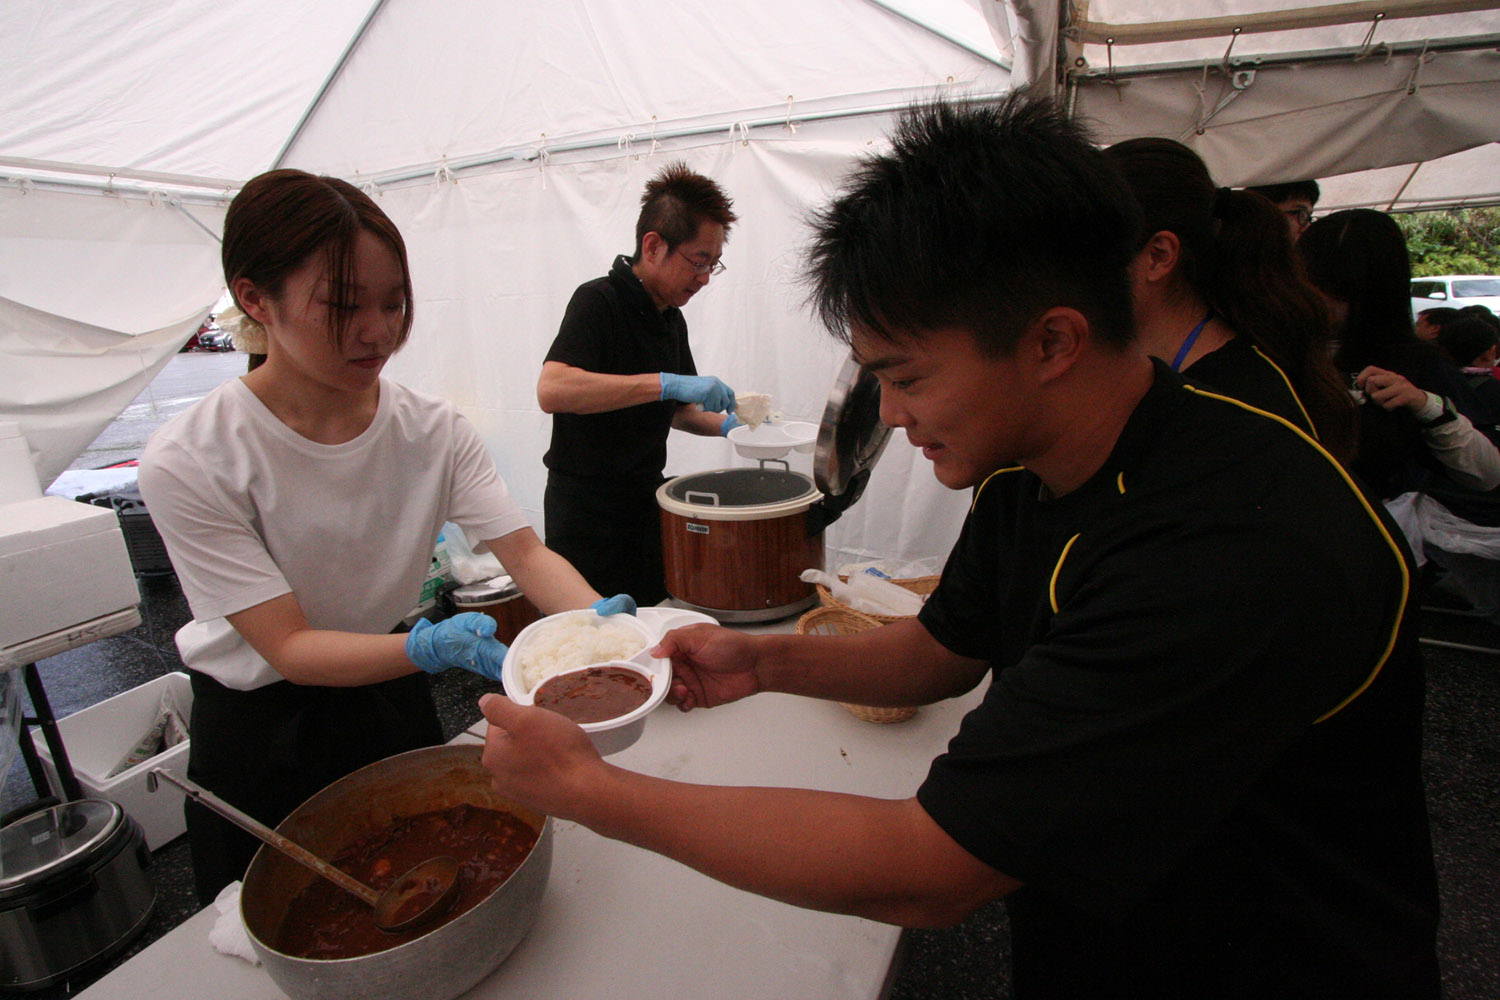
x: 1466, y: 338
x: 1278, y: 193
x: 676, y: 203
x: 1438, y: 315
x: 979, y: 218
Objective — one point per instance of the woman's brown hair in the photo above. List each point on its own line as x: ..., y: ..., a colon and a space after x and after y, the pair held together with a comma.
x: 283, y: 217
x: 1238, y: 257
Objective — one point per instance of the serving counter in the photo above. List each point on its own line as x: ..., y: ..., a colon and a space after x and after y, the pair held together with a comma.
x: 618, y: 921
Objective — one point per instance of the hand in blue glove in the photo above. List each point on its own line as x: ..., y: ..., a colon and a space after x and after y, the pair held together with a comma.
x: 620, y: 604
x: 729, y: 424
x: 705, y: 390
x: 466, y: 640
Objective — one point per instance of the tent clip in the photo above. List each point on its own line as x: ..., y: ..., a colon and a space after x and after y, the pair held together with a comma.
x: 791, y: 126
x: 1234, y: 36
x: 1414, y: 82
x: 1368, y: 45
x: 743, y: 130
x: 442, y: 174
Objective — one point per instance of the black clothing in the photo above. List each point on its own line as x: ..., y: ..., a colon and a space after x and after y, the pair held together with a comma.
x: 1149, y: 759
x: 1241, y: 370
x: 301, y: 739
x: 600, y: 505
x: 612, y: 536
x: 612, y: 327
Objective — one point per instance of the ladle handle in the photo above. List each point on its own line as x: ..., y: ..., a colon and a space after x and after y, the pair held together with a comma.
x: 293, y: 850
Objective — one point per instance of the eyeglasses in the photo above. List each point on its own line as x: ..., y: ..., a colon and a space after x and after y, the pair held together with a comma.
x: 1303, y: 216
x: 712, y: 267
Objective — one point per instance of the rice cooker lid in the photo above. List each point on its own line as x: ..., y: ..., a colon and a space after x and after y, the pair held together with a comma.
x: 500, y: 588
x: 732, y: 494
x: 56, y: 840
x: 851, y: 436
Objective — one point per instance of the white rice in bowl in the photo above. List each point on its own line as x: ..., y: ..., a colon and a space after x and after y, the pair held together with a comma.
x: 574, y: 641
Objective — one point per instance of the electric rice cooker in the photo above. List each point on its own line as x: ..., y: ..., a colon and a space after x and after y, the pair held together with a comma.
x: 73, y: 890
x: 735, y: 541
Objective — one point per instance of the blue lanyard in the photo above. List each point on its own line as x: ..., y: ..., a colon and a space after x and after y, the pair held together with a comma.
x: 1192, y: 338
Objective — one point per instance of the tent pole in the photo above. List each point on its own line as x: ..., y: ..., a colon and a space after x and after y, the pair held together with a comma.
x: 333, y: 75
x: 528, y: 153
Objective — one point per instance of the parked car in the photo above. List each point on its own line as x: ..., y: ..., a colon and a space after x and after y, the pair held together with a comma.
x: 1456, y: 291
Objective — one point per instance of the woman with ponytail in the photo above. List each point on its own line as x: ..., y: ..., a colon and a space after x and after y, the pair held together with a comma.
x: 1220, y: 294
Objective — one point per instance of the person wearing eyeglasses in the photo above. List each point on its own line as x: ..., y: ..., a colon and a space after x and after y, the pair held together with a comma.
x: 1295, y: 200
x: 620, y: 376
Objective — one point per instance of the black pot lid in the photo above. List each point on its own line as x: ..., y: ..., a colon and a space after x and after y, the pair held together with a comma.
x: 851, y: 437
x: 53, y: 840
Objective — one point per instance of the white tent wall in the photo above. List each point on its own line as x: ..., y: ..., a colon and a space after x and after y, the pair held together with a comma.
x: 496, y: 257
x: 96, y: 294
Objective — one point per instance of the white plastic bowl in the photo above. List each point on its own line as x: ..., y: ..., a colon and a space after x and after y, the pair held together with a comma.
x: 611, y: 735
x: 774, y: 440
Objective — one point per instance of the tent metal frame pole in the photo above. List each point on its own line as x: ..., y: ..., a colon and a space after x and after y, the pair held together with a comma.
x: 532, y: 152
x: 1327, y: 15
x: 1476, y: 44
x: 333, y: 74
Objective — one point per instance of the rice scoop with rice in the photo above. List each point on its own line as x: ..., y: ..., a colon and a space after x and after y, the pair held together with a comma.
x: 573, y: 641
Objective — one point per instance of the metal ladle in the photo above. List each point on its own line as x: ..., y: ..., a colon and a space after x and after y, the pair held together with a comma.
x: 422, y: 894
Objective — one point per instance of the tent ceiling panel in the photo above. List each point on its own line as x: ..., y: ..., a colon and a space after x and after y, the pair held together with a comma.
x: 529, y: 75
x: 196, y: 87
x: 1465, y: 179
x: 1315, y: 119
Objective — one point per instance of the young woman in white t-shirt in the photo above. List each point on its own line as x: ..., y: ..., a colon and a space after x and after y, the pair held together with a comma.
x: 300, y: 505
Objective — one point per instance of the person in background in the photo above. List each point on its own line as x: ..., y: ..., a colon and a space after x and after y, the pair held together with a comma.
x: 1294, y: 199
x: 1196, y: 769
x: 300, y: 504
x: 1430, y: 322
x: 1484, y: 314
x: 1220, y: 294
x: 1471, y: 343
x: 1419, y: 414
x: 620, y: 375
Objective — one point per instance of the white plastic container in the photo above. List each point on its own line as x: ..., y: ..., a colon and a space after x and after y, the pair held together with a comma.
x: 612, y: 735
x: 99, y: 736
x: 774, y: 440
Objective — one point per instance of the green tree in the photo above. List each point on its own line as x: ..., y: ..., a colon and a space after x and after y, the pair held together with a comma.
x: 1456, y: 241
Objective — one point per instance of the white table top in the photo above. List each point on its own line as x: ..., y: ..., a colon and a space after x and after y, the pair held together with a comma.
x: 618, y: 921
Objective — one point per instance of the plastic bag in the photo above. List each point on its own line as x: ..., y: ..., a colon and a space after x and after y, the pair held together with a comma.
x: 1443, y: 529
x: 465, y: 564
x: 868, y: 592
x: 169, y: 729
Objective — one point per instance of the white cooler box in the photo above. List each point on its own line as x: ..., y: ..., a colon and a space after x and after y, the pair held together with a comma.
x: 62, y: 563
x: 98, y: 737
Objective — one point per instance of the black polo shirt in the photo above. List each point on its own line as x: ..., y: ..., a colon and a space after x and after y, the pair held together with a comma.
x: 1200, y: 749
x: 612, y: 327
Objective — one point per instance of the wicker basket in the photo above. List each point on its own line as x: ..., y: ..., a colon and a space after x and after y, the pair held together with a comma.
x: 842, y: 620
x: 922, y: 585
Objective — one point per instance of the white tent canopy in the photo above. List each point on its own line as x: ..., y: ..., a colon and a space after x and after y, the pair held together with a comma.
x: 510, y: 143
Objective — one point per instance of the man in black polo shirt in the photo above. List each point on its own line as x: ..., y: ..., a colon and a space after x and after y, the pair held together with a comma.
x: 1195, y: 772
x: 620, y: 375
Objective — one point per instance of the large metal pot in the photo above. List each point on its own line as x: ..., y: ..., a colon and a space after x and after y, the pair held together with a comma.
x: 446, y: 961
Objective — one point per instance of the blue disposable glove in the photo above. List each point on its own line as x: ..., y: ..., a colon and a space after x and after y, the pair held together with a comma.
x: 705, y: 390
x: 729, y: 424
x: 466, y: 640
x: 620, y: 604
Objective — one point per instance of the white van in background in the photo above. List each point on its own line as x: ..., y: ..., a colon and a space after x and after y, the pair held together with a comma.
x: 1456, y: 291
